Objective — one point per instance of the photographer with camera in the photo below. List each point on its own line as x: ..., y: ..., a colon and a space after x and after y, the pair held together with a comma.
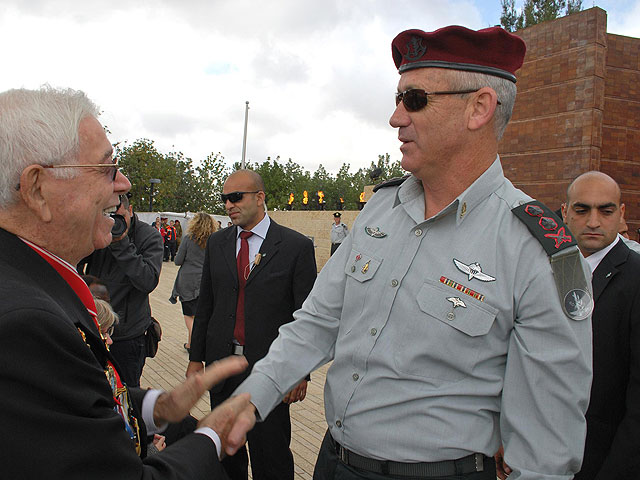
x: 130, y: 268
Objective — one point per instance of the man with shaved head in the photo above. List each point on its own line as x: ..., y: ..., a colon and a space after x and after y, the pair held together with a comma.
x: 254, y: 277
x: 593, y: 212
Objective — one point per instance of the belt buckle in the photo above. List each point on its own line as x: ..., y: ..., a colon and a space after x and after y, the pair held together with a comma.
x: 479, y: 458
x: 342, y: 454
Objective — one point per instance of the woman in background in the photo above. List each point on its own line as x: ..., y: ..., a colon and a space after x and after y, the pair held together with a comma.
x: 190, y: 257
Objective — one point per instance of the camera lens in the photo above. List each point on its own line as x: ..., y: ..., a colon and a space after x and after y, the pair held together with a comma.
x: 120, y: 226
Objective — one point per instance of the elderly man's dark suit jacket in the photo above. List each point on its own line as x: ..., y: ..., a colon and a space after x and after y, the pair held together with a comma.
x: 56, y: 407
x: 275, y: 288
x: 613, y: 418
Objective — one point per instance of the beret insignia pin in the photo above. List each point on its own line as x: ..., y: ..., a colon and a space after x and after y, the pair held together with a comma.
x: 375, y: 233
x: 415, y: 48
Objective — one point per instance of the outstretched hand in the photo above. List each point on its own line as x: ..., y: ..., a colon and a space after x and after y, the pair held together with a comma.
x: 244, y: 421
x: 173, y: 406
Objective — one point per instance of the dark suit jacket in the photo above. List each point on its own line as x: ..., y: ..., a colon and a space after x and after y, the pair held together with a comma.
x: 612, y: 448
x: 275, y: 288
x: 56, y: 407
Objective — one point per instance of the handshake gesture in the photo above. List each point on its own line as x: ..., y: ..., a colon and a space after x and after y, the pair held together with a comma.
x: 231, y: 420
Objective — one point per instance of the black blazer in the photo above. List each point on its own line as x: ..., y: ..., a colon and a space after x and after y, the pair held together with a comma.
x: 56, y: 407
x: 275, y: 288
x: 612, y: 449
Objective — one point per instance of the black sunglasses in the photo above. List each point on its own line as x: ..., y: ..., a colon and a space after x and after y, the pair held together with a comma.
x: 233, y: 197
x: 415, y: 99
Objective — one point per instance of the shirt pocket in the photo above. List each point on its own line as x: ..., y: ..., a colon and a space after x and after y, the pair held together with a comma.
x: 360, y: 292
x: 447, y: 335
x: 361, y: 266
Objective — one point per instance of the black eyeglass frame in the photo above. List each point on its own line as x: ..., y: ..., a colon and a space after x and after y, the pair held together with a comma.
x: 234, y: 197
x: 423, y: 95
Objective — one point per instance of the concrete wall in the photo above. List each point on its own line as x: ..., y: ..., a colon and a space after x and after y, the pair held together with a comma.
x: 555, y: 131
x: 577, y: 109
x: 316, y: 224
x: 620, y: 155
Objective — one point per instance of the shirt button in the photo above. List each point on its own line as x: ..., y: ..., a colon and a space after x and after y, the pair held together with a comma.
x: 338, y: 424
x: 451, y: 316
x: 373, y: 332
x: 355, y: 377
x: 353, y: 269
x: 418, y: 232
x: 394, y: 283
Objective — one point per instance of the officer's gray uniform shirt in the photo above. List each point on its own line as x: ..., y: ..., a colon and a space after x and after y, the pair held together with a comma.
x: 425, y: 370
x: 338, y: 232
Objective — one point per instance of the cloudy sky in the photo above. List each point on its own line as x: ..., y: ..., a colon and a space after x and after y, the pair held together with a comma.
x: 318, y: 74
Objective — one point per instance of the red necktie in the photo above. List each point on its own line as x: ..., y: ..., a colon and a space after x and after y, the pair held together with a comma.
x: 243, y: 273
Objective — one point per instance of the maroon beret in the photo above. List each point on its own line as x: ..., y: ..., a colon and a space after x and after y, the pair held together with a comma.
x: 492, y: 51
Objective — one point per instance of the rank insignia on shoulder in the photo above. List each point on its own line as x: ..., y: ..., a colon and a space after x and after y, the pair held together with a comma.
x: 393, y: 182
x: 375, y: 233
x: 545, y: 226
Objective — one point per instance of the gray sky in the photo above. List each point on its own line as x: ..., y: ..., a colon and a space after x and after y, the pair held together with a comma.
x: 318, y: 74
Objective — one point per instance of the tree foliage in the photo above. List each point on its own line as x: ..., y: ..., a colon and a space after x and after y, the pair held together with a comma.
x: 182, y: 186
x: 188, y: 187
x: 535, y: 11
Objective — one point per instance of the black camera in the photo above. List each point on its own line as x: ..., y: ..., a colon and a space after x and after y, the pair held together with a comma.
x: 119, y: 227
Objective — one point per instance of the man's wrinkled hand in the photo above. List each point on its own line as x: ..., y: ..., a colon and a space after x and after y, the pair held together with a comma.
x: 244, y: 421
x: 225, y: 416
x: 174, y: 406
x: 298, y: 393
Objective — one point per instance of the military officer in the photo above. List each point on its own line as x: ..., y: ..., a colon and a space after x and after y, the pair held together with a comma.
x: 339, y: 232
x: 457, y: 313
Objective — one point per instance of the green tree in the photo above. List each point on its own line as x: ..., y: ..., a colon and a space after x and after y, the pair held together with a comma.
x: 208, y: 180
x: 509, y: 17
x: 535, y: 11
x: 140, y: 162
x: 182, y: 186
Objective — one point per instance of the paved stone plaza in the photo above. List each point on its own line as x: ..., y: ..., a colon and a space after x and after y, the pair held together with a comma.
x: 168, y: 367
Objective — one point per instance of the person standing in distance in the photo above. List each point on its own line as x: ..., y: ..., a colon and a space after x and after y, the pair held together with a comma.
x: 443, y: 310
x: 255, y: 275
x: 339, y: 232
x: 190, y: 258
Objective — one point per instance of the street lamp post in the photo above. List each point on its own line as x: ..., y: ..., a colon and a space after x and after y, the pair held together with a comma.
x: 152, y: 181
x: 244, y: 139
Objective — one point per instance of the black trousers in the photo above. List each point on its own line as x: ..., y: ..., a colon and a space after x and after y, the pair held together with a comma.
x: 329, y: 467
x: 172, y: 249
x: 130, y: 355
x: 271, y: 457
x: 334, y: 247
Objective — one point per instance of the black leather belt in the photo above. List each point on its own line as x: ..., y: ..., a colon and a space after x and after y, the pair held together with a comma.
x: 469, y: 464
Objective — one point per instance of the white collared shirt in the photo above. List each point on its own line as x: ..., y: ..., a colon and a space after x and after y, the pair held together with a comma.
x: 255, y: 240
x: 595, y: 258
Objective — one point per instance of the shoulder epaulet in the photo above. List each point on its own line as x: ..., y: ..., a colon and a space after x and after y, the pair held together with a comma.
x: 545, y: 226
x: 393, y: 182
